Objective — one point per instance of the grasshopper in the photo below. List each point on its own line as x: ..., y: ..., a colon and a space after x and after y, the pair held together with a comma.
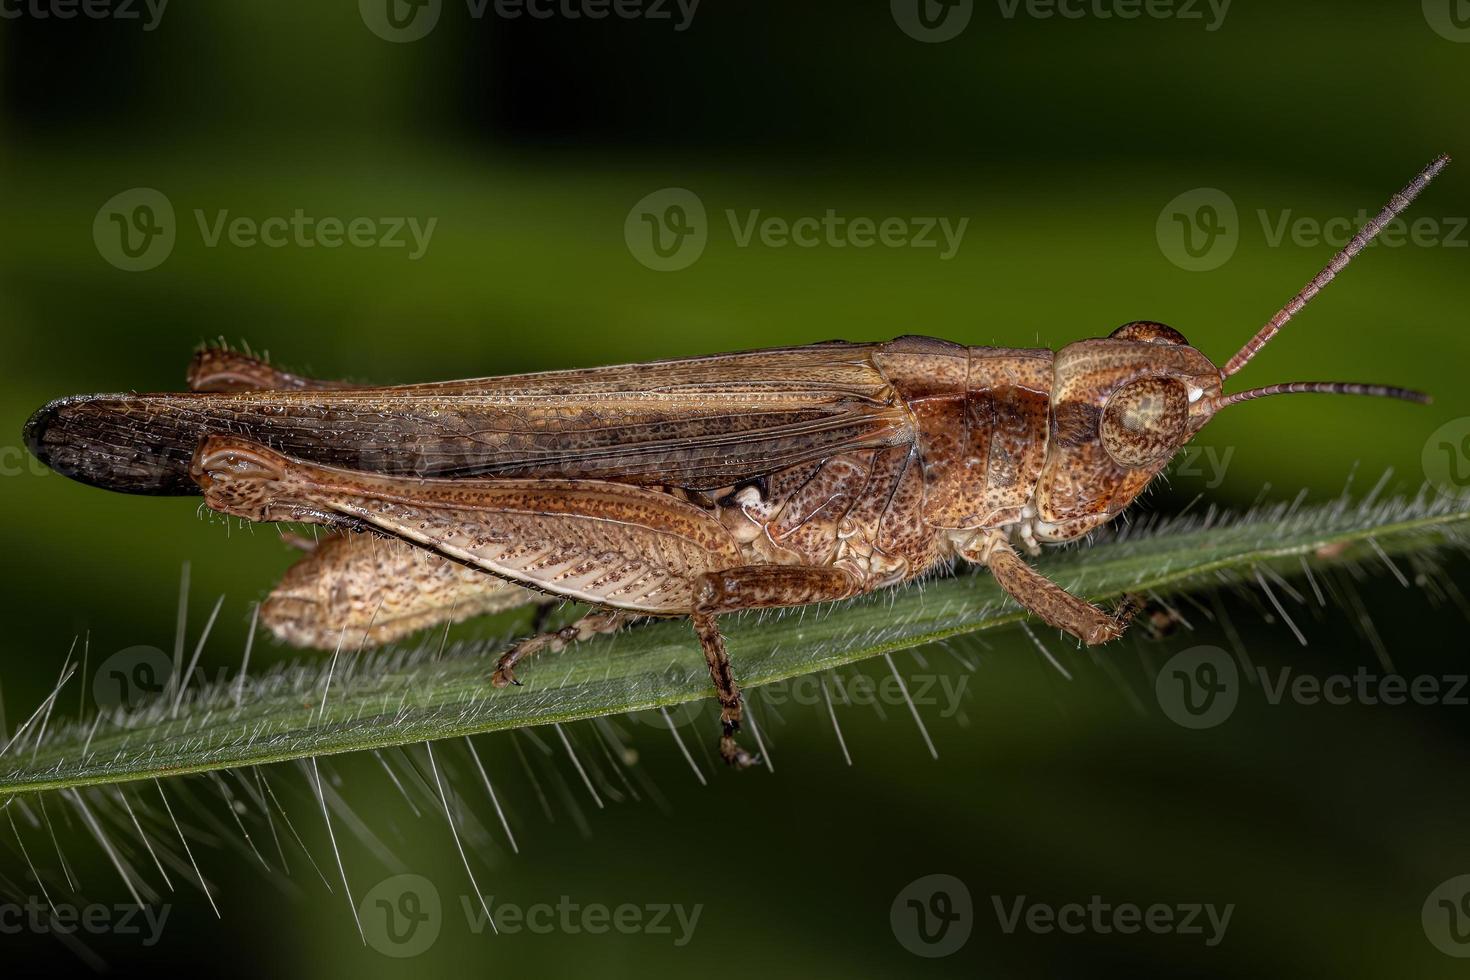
x: 695, y: 487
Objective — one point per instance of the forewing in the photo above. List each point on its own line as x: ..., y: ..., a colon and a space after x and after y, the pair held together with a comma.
x: 700, y: 423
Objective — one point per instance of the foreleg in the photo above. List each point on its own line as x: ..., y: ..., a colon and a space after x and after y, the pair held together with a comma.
x: 1042, y: 597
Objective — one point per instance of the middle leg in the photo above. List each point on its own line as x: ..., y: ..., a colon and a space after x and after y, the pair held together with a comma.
x: 595, y: 623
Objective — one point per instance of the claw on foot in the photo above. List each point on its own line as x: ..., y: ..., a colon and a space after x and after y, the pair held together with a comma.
x: 736, y: 756
x: 1114, y: 626
x: 730, y: 750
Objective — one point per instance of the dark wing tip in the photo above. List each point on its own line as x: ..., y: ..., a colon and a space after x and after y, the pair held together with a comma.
x: 35, y: 430
x: 101, y: 440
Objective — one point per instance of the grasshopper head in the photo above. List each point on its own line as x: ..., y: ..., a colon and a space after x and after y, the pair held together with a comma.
x: 1121, y: 406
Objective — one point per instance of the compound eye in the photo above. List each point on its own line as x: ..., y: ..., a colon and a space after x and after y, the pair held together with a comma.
x: 1145, y: 420
x: 1149, y: 332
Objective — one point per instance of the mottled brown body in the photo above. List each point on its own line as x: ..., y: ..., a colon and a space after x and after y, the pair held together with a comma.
x: 693, y: 487
x: 859, y: 466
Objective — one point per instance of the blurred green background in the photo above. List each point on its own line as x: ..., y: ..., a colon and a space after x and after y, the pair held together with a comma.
x: 1070, y: 145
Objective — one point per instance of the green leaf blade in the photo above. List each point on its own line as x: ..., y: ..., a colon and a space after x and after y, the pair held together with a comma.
x: 383, y: 699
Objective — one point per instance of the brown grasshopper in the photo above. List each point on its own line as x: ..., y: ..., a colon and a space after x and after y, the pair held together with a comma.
x: 693, y: 487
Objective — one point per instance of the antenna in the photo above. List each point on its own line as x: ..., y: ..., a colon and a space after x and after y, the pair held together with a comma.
x: 1396, y: 206
x: 1324, y: 388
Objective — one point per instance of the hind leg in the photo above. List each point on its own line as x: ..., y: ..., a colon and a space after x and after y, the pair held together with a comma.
x: 221, y: 369
x: 358, y: 590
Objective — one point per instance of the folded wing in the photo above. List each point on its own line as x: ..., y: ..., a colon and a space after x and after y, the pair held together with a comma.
x: 699, y: 423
